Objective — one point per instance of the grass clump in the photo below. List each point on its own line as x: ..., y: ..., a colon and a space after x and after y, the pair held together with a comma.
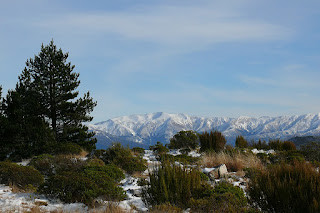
x: 286, y: 188
x: 23, y: 177
x: 172, y: 184
x: 235, y: 160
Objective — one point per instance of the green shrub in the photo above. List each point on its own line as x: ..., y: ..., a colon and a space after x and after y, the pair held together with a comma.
x: 224, y: 198
x: 159, y: 148
x: 110, y: 169
x: 122, y: 157
x: 172, y: 184
x: 95, y: 162
x: 259, y: 145
x: 85, y: 186
x: 281, y: 145
x: 21, y: 176
x: 213, y: 141
x: 311, y: 151
x: 184, y: 139
x: 44, y: 163
x: 68, y: 148
x: 287, y: 188
x: 138, y: 150
x: 241, y: 142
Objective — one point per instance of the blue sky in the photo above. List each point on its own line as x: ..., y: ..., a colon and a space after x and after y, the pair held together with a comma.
x: 205, y: 58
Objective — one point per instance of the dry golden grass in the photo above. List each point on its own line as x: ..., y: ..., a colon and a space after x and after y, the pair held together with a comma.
x: 235, y: 161
x: 110, y: 207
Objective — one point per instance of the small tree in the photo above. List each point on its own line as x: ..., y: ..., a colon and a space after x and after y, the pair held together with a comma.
x: 214, y: 141
x: 241, y: 142
x: 184, y: 140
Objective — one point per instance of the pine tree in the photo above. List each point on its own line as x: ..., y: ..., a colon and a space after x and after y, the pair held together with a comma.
x: 52, y: 77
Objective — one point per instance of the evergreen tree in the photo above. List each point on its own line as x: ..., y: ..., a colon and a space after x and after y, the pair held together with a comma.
x: 213, y: 141
x: 241, y: 142
x: 26, y: 132
x: 52, y: 79
x: 184, y: 140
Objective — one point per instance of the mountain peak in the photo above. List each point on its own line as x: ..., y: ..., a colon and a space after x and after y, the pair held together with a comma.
x: 147, y: 129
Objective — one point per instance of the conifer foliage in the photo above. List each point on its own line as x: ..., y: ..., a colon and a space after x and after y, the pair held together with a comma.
x: 44, y: 110
x: 213, y: 141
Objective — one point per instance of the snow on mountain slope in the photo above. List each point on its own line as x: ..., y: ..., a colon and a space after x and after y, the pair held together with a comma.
x: 146, y: 130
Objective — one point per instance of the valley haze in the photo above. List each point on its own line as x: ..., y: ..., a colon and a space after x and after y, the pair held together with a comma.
x: 145, y: 130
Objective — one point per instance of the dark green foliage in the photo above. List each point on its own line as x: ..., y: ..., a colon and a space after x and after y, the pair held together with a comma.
x: 213, y: 141
x: 241, y: 142
x: 259, y: 145
x: 172, y: 184
x: 167, y: 208
x: 20, y: 176
x: 281, y: 145
x: 43, y: 111
x: 224, y: 198
x: 68, y: 148
x: 184, y: 139
x: 81, y: 181
x: 44, y: 163
x: 82, y: 186
x: 138, y: 150
x: 287, y: 188
x: 122, y: 157
x: 50, y: 165
x: 311, y: 151
x: 159, y: 148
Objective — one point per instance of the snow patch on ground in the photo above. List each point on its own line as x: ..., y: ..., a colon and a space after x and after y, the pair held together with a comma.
x: 256, y: 151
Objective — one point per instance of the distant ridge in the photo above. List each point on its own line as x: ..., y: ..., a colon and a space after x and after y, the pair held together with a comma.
x: 145, y: 130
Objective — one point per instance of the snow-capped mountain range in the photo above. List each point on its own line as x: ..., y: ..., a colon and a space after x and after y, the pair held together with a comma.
x: 146, y: 130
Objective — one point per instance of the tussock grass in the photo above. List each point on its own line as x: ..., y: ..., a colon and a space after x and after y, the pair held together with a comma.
x: 235, y: 161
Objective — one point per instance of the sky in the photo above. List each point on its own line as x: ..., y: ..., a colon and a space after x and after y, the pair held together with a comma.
x: 203, y: 58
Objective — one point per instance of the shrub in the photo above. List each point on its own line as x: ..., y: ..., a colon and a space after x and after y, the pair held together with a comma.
x: 311, y: 151
x: 138, y: 150
x: 287, y: 188
x: 213, y: 141
x: 44, y: 163
x: 172, y: 184
x: 182, y: 158
x: 259, y: 145
x: 110, y: 169
x: 122, y: 157
x: 84, y: 186
x: 241, y: 142
x: 20, y: 176
x: 281, y: 145
x: 159, y: 148
x: 184, y: 139
x: 224, y: 198
x: 68, y: 148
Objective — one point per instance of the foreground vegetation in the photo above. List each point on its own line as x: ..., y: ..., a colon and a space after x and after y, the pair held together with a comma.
x: 42, y: 119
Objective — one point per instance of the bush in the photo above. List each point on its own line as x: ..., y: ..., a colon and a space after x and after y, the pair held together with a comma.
x: 281, y: 145
x: 224, y: 198
x: 20, y: 176
x: 182, y: 158
x: 213, y: 141
x: 172, y: 184
x: 84, y: 185
x: 311, y: 151
x: 241, y: 142
x: 138, y: 150
x: 259, y: 145
x: 159, y: 148
x: 184, y: 140
x: 68, y: 148
x: 122, y: 157
x: 287, y: 188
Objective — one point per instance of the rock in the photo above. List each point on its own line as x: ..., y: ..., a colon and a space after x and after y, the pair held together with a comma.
x: 40, y: 202
x: 218, y: 172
